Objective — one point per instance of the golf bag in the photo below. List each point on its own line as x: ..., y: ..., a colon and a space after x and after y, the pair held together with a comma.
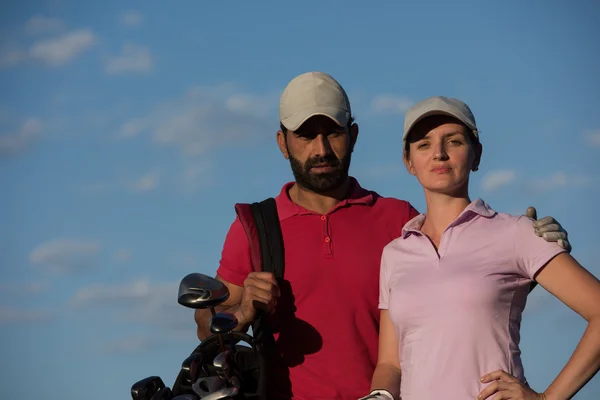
x: 260, y: 221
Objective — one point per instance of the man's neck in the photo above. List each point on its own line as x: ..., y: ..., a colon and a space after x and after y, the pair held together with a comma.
x: 320, y: 203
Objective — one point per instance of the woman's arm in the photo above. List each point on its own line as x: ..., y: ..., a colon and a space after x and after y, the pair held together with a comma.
x: 387, y: 371
x: 572, y: 284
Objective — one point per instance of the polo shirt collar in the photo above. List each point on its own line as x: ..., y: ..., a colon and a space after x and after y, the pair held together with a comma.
x: 477, y: 207
x: 287, y: 208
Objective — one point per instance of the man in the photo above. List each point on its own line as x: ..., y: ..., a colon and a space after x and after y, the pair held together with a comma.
x: 325, y: 314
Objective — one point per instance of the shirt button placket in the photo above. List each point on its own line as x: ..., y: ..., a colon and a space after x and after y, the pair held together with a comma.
x: 326, y: 236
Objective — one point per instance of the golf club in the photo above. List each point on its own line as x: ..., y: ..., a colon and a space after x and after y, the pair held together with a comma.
x: 222, y: 323
x: 191, y: 366
x: 200, y: 291
x: 146, y: 388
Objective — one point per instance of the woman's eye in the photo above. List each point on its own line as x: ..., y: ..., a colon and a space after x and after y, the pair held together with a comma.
x: 456, y: 142
x: 422, y: 145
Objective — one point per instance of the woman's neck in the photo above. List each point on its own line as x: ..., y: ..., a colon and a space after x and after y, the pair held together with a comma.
x: 442, y: 210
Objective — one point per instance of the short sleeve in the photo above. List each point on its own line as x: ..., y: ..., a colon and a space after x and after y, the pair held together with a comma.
x: 532, y: 252
x: 236, y: 260
x: 384, y: 284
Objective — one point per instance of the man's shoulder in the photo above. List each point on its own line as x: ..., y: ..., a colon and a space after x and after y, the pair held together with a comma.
x: 390, y: 203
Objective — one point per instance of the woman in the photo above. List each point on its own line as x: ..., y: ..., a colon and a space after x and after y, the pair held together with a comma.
x: 454, y: 285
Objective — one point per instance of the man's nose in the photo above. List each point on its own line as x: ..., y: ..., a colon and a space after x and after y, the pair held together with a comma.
x: 322, y: 146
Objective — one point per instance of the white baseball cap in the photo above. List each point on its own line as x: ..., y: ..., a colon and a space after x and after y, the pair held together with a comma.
x: 439, y: 105
x: 310, y: 94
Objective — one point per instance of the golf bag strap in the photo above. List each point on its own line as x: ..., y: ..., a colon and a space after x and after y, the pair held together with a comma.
x: 260, y: 221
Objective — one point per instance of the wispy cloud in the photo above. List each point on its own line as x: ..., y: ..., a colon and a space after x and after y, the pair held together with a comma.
x: 133, y: 58
x: 390, y: 104
x: 123, y: 255
x: 39, y: 24
x: 197, y: 174
x: 11, y: 56
x: 138, y: 301
x: 14, y: 315
x: 62, y: 49
x: 206, y: 118
x: 65, y: 254
x: 495, y: 180
x: 131, y: 19
x: 146, y: 183
x: 593, y: 138
x: 11, y: 143
x: 562, y: 180
x: 23, y: 288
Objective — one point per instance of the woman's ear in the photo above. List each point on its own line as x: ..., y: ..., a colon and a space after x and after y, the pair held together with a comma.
x: 478, y: 152
x: 408, y: 163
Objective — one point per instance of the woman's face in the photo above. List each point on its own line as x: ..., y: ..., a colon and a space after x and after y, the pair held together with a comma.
x: 441, y: 155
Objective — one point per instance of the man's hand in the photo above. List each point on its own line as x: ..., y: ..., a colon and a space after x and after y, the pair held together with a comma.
x: 550, y: 229
x: 261, y: 292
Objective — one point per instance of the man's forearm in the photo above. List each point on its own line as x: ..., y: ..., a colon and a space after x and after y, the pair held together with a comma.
x: 203, y: 316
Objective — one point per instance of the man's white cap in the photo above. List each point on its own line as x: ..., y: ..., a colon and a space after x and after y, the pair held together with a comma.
x: 439, y: 105
x: 310, y: 94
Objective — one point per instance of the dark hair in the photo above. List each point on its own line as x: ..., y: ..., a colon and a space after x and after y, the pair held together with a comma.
x: 284, y: 129
x: 470, y: 135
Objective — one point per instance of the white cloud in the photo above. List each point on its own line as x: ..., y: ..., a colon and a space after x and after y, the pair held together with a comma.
x: 146, y: 183
x: 39, y: 24
x: 11, y: 143
x: 60, y: 50
x: 131, y: 19
x: 11, y: 57
x: 65, y: 254
x: 139, y: 301
x: 561, y: 180
x: 495, y: 180
x: 13, y: 315
x: 389, y: 104
x: 197, y: 174
x: 132, y: 128
x: 123, y: 255
x: 133, y: 58
x: 25, y: 288
x: 593, y: 138
x: 208, y: 117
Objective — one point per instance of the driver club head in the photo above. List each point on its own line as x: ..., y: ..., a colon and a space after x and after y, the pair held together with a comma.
x: 201, y: 291
x: 222, y: 323
x: 146, y: 388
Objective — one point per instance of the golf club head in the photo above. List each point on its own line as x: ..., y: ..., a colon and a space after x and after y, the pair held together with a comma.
x: 163, y: 394
x: 146, y: 388
x: 222, y: 364
x: 223, y: 323
x: 207, y: 385
x: 191, y: 366
x: 225, y: 393
x: 201, y: 291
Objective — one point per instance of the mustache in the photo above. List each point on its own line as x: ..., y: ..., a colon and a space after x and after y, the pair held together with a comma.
x: 329, y: 160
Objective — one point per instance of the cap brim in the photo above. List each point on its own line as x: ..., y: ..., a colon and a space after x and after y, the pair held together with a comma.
x: 295, y: 121
x: 432, y: 113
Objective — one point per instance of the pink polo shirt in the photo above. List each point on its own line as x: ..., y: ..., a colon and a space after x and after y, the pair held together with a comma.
x: 458, y: 311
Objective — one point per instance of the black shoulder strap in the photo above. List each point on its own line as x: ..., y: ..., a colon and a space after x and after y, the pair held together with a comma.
x: 266, y: 221
x: 270, y: 237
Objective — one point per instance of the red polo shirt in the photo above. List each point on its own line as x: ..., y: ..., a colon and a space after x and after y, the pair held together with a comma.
x: 327, y: 320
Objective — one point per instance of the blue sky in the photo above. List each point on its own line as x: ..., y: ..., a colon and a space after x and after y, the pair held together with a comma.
x: 128, y: 132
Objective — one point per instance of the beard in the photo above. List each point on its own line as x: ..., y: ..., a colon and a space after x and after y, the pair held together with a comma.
x: 324, y: 182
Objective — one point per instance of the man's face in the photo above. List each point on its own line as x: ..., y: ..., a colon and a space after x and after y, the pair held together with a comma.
x: 319, y: 153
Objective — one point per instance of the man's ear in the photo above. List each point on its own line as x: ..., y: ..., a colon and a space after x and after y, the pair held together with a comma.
x: 353, y: 136
x: 282, y: 145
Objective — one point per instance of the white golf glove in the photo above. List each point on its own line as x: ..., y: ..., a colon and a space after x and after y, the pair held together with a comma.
x: 550, y: 229
x: 378, y: 394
